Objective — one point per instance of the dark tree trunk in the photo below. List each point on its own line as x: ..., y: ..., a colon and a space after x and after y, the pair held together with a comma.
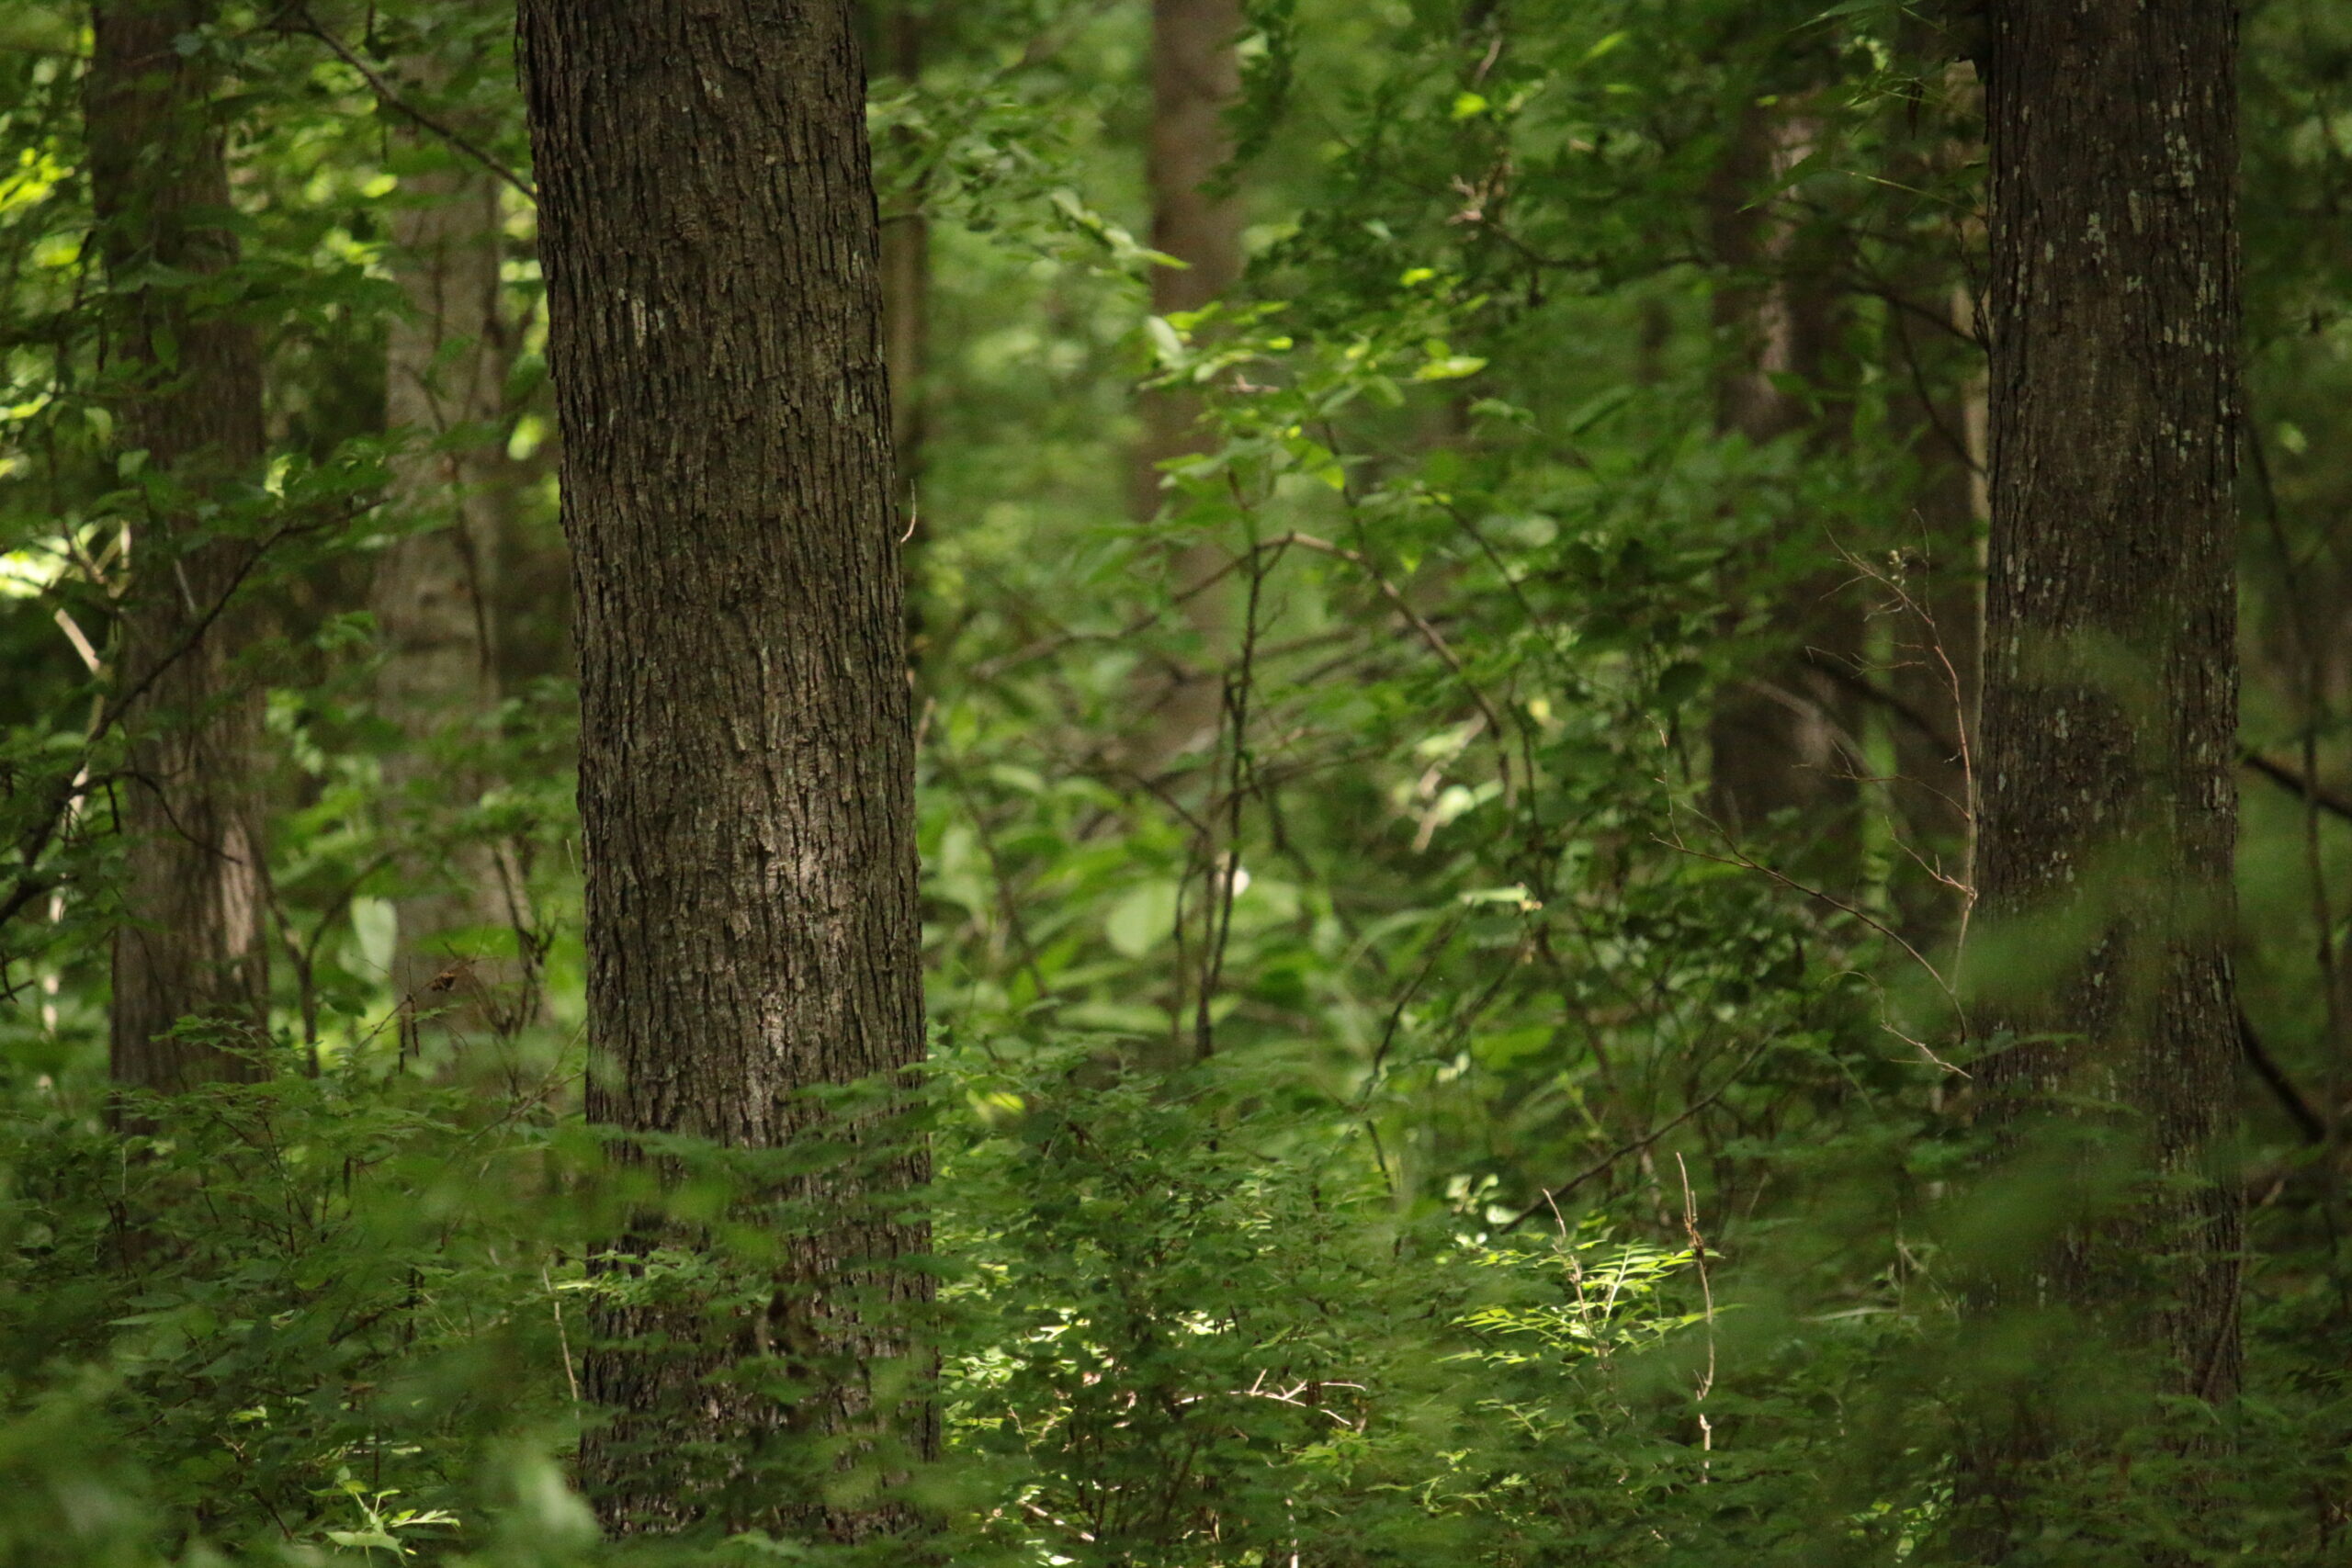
x: 746, y: 777
x: 194, y: 889
x: 432, y: 594
x: 2110, y: 701
x: 1195, y: 78
x: 1782, y: 739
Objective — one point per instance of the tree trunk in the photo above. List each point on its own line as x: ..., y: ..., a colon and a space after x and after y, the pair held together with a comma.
x: 746, y: 772
x: 194, y: 889
x: 463, y: 917
x: 1195, y: 78
x: 2110, y: 701
x: 1783, y: 739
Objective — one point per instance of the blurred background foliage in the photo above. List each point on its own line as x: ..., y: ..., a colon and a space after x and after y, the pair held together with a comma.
x: 1443, y: 894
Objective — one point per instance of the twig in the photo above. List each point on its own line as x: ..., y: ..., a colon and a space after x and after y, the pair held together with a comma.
x: 562, y: 1339
x: 2315, y: 713
x: 1741, y: 859
x: 30, y: 882
x: 1224, y: 879
x: 1552, y: 1195
x: 1428, y: 634
x: 1965, y: 883
x: 1870, y: 690
x: 1707, y: 1296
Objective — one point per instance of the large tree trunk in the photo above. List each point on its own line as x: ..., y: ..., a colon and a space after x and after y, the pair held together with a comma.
x: 1782, y: 739
x: 1195, y: 78
x: 464, y: 917
x: 194, y: 890
x: 746, y: 771
x: 2110, y: 701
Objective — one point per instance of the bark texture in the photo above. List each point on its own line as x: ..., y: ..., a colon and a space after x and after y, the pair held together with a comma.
x: 2110, y: 700
x: 432, y: 594
x: 709, y: 237
x: 1781, y: 740
x: 1195, y: 78
x: 189, y: 392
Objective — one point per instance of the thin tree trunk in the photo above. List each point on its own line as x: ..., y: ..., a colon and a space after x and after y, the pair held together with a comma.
x: 433, y: 597
x: 1781, y: 740
x: 709, y: 236
x: 1195, y: 78
x: 2109, y: 704
x: 192, y: 942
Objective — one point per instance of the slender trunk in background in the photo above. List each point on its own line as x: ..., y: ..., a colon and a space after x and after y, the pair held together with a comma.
x: 1782, y: 739
x: 1195, y: 78
x: 708, y: 232
x: 464, y: 917
x: 194, y: 887
x: 2111, y: 693
x: 906, y: 325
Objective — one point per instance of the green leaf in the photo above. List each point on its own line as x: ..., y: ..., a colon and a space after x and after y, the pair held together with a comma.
x: 1451, y: 368
x: 364, y: 1538
x: 1144, y: 919
x: 1500, y: 1051
x: 1165, y: 342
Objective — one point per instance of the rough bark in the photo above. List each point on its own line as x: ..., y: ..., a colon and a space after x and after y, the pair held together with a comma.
x: 1782, y: 739
x: 432, y: 594
x: 1195, y: 78
x: 2110, y: 701
x: 188, y: 384
x: 709, y: 238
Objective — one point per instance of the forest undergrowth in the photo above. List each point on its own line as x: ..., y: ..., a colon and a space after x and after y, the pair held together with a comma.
x: 1463, y: 1024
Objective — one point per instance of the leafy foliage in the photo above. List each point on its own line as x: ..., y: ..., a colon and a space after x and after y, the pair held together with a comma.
x: 1408, y: 1120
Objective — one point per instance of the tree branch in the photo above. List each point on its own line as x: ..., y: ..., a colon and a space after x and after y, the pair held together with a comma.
x: 2298, y: 1111
x: 301, y: 20
x: 2296, y: 785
